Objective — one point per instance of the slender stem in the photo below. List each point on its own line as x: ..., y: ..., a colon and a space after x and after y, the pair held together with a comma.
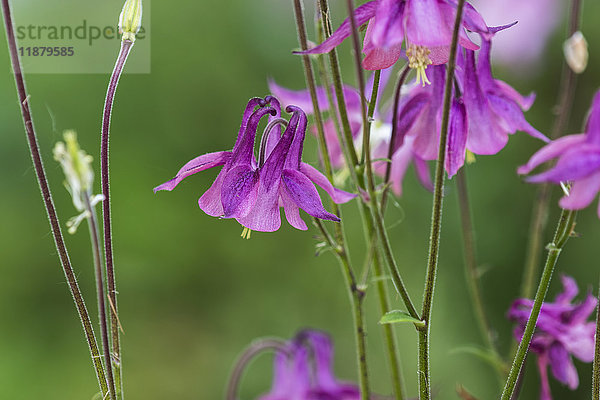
x: 47, y: 197
x: 563, y: 231
x: 372, y: 103
x: 388, y: 169
x: 566, y: 94
x: 248, y: 355
x: 101, y: 294
x: 596, y: 370
x: 356, y: 295
x: 470, y: 255
x: 436, y: 218
x: 108, y: 249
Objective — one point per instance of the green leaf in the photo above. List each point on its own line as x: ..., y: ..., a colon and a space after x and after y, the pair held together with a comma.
x: 396, y: 316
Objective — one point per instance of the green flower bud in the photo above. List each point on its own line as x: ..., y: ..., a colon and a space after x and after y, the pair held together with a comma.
x: 130, y: 20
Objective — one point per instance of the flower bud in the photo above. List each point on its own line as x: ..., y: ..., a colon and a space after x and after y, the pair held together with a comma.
x: 130, y: 19
x: 576, y: 52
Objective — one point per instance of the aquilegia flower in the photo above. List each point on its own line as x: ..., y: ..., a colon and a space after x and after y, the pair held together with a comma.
x: 562, y: 330
x: 425, y: 25
x: 381, y: 131
x: 304, y: 372
x: 578, y: 162
x: 484, y: 111
x: 252, y: 191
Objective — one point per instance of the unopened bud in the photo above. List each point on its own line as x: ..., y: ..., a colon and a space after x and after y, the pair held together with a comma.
x: 576, y: 52
x: 130, y: 20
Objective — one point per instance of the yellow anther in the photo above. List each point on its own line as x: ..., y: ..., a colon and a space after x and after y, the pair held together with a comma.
x: 246, y: 232
x: 418, y: 59
x: 470, y: 157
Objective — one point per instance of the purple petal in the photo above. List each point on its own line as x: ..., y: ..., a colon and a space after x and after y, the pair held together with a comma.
x: 569, y: 292
x: 550, y: 151
x: 422, y: 169
x: 580, y: 341
x: 505, y: 90
x: 425, y: 24
x: 300, y: 98
x: 457, y: 138
x: 240, y: 188
x: 512, y: 117
x: 265, y: 215
x: 337, y: 195
x: 542, y: 363
x: 210, y: 201
x: 387, y: 24
x: 408, y: 113
x: 304, y: 194
x: 292, y: 212
x: 582, y: 193
x: 472, y: 20
x: 562, y: 366
x: 381, y: 58
x: 294, y: 155
x: 249, y: 110
x: 592, y: 127
x: 323, y: 354
x: 361, y: 15
x: 400, y: 162
x: 576, y: 164
x: 198, y: 164
x: 243, y: 152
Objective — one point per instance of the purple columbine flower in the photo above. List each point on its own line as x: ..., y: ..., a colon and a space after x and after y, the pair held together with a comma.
x: 425, y: 25
x: 305, y: 371
x: 484, y: 111
x: 252, y: 191
x: 562, y: 330
x: 381, y: 131
x: 578, y: 162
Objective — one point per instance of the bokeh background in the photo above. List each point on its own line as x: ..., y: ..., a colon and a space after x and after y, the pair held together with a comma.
x: 193, y: 294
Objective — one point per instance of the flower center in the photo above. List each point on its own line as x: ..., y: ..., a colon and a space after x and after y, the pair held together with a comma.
x: 418, y: 59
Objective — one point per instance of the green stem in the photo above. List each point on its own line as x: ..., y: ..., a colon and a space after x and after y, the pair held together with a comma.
x: 101, y: 294
x: 355, y: 294
x: 564, y: 105
x: 563, y: 231
x: 470, y: 254
x: 436, y: 218
x: 596, y: 370
x: 47, y: 198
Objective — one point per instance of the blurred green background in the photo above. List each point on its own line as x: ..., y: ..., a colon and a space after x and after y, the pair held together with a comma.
x: 193, y: 294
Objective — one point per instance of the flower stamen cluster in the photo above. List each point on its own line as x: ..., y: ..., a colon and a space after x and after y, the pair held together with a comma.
x: 418, y: 59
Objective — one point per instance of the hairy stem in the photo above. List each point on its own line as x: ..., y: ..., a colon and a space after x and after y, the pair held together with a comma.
x: 101, y: 294
x: 108, y: 248
x: 436, y: 218
x: 564, y: 104
x: 47, y: 198
x: 563, y: 231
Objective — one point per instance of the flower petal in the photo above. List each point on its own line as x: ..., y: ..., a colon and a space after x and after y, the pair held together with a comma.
x: 550, y: 151
x: 198, y: 164
x: 569, y: 292
x: 542, y: 363
x: 387, y: 29
x: 425, y: 24
x: 361, y: 15
x: 576, y: 164
x: 457, y: 138
x: 582, y: 193
x: 381, y: 58
x: 562, y: 366
x: 512, y: 117
x: 337, y: 195
x: 304, y: 194
x: 292, y: 212
x: 300, y: 98
x: 239, y: 192
x: 592, y: 127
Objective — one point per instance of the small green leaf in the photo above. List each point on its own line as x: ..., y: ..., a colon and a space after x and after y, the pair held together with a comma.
x: 396, y: 316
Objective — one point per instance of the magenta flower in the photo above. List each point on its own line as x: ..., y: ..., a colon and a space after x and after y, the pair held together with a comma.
x: 252, y: 191
x: 425, y: 25
x: 578, y: 162
x: 484, y: 111
x: 562, y: 330
x: 381, y: 130
x: 297, y: 378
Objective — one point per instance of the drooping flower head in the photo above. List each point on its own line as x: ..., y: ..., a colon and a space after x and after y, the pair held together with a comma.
x: 578, y: 162
x: 305, y: 371
x: 562, y: 331
x: 251, y: 190
x: 484, y: 110
x: 425, y: 26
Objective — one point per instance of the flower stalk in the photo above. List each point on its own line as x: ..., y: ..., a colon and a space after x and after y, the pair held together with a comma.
x: 47, y: 198
x: 596, y: 367
x: 566, y: 95
x: 564, y: 229
x: 436, y: 219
